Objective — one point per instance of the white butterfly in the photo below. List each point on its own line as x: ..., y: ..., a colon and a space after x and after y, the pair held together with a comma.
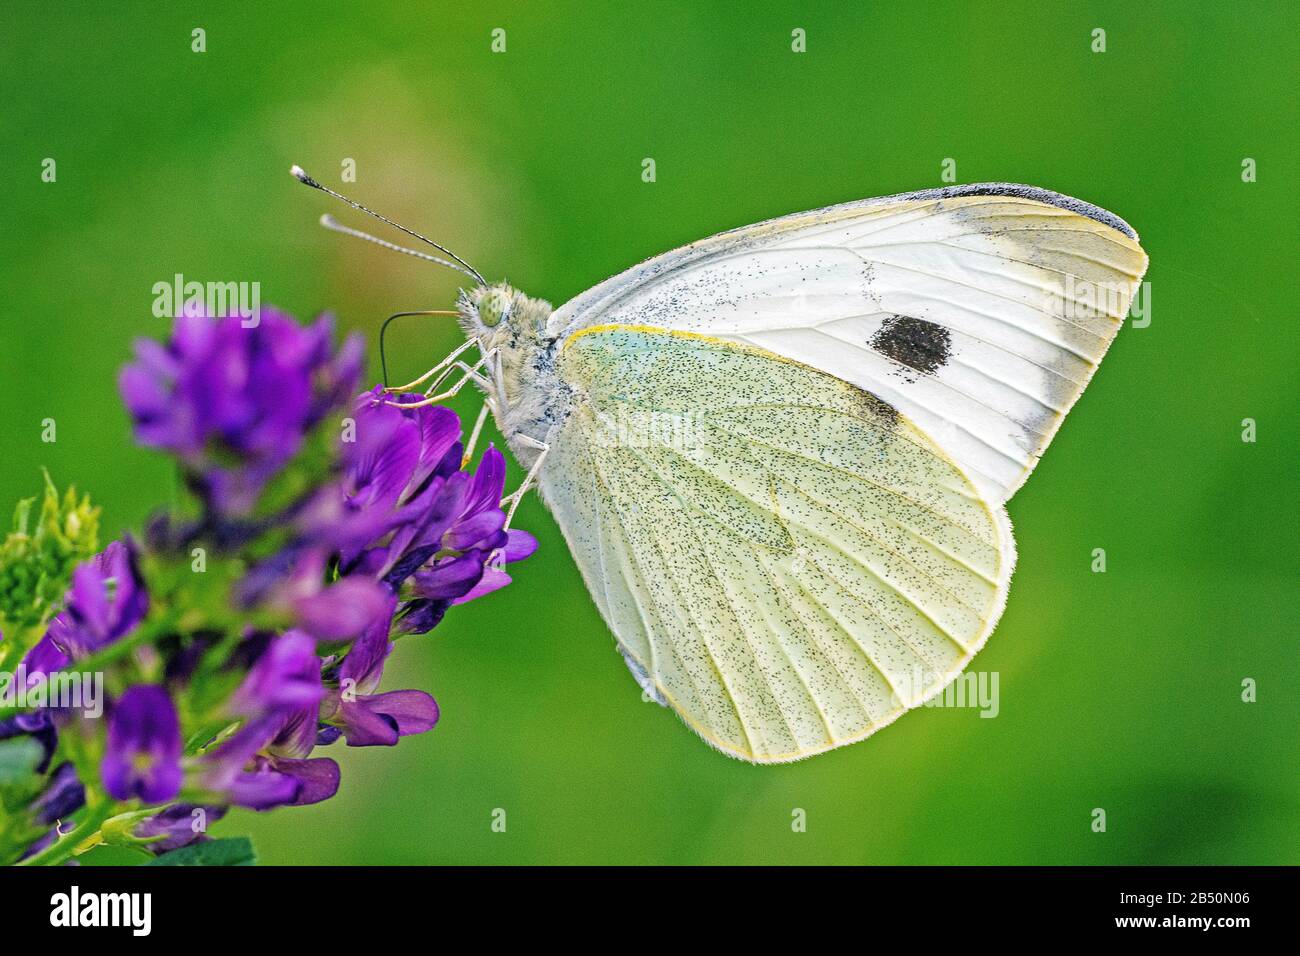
x: 780, y: 456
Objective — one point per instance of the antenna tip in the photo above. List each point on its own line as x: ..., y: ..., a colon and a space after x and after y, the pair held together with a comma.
x: 300, y: 174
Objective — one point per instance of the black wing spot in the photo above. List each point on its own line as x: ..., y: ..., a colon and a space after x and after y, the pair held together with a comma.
x: 916, y: 343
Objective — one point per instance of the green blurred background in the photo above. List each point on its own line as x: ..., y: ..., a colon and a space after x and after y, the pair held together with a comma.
x: 1119, y: 690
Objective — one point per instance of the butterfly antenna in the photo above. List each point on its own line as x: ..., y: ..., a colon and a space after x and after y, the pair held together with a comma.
x: 332, y: 224
x: 300, y: 174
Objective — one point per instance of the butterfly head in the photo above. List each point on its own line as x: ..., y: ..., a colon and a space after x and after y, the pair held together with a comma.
x: 500, y: 316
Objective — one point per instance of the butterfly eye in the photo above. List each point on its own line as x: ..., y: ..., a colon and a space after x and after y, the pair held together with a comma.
x: 493, y: 308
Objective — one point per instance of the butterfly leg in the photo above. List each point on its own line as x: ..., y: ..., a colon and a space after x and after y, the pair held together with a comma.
x: 470, y: 374
x: 473, y: 436
x: 530, y: 479
x: 444, y: 366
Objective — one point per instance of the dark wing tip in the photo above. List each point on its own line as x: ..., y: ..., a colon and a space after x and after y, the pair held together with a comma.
x: 1034, y: 193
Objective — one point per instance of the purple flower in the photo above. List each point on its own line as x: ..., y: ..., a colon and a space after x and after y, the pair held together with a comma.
x: 281, y: 698
x: 477, y: 535
x: 285, y: 679
x: 519, y: 545
x: 380, y: 720
x: 468, y: 513
x: 481, y: 519
x: 240, y: 771
x: 38, y: 725
x: 44, y: 658
x: 177, y: 826
x: 234, y: 402
x: 367, y: 719
x: 449, y: 577
x: 409, y: 511
x: 143, y: 756
x: 456, y: 579
x: 63, y: 795
x: 421, y: 615
x: 276, y: 781
x: 398, y: 470
x: 107, y: 600
x: 388, y: 540
x: 343, y: 609
x: 337, y: 611
x: 395, y: 449
x: 261, y: 765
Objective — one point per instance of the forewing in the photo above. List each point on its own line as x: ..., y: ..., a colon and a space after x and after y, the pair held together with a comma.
x: 789, y: 562
x: 979, y: 312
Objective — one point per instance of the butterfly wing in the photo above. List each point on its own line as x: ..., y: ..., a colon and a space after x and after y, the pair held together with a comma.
x: 979, y: 312
x: 786, y: 561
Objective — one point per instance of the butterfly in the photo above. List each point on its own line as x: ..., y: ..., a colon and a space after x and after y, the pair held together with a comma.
x: 781, y: 456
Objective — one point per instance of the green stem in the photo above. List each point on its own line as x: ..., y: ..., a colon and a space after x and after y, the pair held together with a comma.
x: 96, y: 813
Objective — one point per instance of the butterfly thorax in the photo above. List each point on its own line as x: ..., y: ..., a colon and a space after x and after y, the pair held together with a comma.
x: 527, y: 395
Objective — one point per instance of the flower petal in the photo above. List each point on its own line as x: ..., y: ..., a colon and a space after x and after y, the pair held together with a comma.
x: 364, y: 663
x: 143, y: 755
x: 178, y: 825
x: 421, y: 616
x: 439, y: 430
x: 489, y: 482
x: 476, y: 530
x: 493, y: 579
x: 519, y: 545
x: 45, y: 657
x: 383, y: 456
x: 285, y: 678
x: 317, y: 779
x: 263, y: 789
x: 381, y: 719
x: 364, y: 727
x: 343, y: 610
x: 410, y: 711
x: 63, y: 795
x: 449, y: 577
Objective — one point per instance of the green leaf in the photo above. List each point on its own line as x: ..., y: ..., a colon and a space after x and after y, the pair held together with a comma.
x: 19, y: 758
x: 232, y: 851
